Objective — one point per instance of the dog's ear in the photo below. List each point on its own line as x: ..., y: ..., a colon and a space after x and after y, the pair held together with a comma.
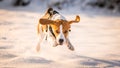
x: 46, y: 21
x: 75, y: 21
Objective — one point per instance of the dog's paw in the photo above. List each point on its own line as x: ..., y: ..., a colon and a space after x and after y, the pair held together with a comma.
x: 71, y: 47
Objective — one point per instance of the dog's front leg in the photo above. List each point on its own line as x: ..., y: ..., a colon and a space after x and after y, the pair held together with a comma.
x: 38, y: 46
x: 53, y: 42
x: 69, y: 45
x: 51, y: 37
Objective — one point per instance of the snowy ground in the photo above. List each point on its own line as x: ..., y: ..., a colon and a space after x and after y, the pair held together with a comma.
x: 96, y: 40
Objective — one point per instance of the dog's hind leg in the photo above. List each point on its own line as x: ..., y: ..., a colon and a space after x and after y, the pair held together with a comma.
x: 69, y: 45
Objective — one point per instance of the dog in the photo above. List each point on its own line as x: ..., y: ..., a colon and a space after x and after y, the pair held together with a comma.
x: 53, y: 26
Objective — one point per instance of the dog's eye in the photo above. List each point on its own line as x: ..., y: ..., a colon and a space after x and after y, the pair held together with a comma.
x: 69, y: 30
x: 57, y: 31
x: 65, y: 31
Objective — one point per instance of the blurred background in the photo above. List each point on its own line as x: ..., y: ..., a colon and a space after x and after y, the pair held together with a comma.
x: 96, y: 37
x: 100, y: 6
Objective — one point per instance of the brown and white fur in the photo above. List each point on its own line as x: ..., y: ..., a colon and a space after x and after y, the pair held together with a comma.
x: 55, y: 27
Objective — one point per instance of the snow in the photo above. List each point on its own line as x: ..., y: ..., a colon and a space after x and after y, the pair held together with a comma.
x: 95, y: 38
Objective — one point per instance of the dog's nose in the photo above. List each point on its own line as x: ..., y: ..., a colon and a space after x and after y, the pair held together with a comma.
x: 61, y: 40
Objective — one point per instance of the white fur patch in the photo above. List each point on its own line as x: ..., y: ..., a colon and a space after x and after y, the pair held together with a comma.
x: 61, y: 35
x: 58, y: 17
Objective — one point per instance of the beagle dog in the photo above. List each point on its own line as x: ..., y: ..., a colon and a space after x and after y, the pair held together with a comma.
x: 53, y: 26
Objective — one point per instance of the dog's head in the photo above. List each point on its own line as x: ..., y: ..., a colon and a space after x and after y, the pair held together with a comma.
x: 60, y: 26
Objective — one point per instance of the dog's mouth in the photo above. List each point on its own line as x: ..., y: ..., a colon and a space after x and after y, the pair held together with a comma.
x: 60, y: 43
